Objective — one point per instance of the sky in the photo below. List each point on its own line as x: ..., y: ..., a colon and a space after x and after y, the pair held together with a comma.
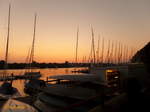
x: 125, y: 21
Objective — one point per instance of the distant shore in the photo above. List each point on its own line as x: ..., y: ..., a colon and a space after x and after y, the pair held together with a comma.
x: 42, y: 65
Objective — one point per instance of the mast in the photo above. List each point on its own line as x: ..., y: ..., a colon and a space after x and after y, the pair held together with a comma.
x: 90, y: 55
x: 127, y: 56
x: 76, y: 59
x: 108, y: 52
x: 98, y: 49
x: 124, y: 54
x: 33, y: 41
x: 118, y: 57
x: 93, y: 46
x: 120, y: 53
x: 111, y: 54
x: 115, y: 55
x: 102, y: 57
x: 7, y: 43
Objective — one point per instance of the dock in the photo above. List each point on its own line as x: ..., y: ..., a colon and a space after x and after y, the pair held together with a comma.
x: 17, y: 77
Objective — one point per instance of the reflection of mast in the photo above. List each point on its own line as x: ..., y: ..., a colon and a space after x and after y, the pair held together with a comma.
x: 76, y: 59
x: 7, y: 44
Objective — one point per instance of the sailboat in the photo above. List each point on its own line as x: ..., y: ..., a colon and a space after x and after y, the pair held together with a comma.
x: 6, y: 89
x: 33, y: 81
x: 30, y: 73
x: 76, y: 53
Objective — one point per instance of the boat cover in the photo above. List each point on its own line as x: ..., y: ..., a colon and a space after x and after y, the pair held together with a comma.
x: 16, y: 106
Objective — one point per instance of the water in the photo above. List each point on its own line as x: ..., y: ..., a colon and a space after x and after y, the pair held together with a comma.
x: 19, y: 84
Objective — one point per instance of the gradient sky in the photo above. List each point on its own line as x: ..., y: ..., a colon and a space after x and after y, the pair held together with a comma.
x: 127, y: 21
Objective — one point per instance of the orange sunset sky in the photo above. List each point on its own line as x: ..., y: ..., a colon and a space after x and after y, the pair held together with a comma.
x: 125, y: 21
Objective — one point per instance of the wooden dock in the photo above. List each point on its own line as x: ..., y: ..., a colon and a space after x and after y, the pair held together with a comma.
x: 17, y: 77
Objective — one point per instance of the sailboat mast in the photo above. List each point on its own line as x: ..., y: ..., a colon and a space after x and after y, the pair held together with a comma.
x: 112, y: 53
x: 119, y: 53
x: 108, y: 52
x: 115, y: 55
x: 102, y: 60
x: 33, y: 42
x: 98, y: 60
x: 127, y: 56
x: 7, y: 44
x: 90, y: 55
x: 76, y: 59
x: 93, y: 46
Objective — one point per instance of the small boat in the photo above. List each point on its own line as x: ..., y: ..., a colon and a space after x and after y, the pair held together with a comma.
x: 70, y: 93
x: 33, y: 86
x: 81, y: 71
x: 76, y: 77
x: 16, y: 106
x: 33, y: 83
x: 30, y: 60
x: 62, y: 98
x: 7, y: 91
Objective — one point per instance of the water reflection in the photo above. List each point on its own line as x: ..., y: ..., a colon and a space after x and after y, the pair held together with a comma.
x: 19, y: 84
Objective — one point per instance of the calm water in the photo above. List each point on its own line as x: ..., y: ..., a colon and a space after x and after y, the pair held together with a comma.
x: 19, y: 84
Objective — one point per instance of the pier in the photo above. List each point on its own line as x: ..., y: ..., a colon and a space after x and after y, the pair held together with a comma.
x: 17, y: 77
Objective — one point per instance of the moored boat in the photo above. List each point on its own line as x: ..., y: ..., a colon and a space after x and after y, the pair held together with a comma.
x: 16, y: 106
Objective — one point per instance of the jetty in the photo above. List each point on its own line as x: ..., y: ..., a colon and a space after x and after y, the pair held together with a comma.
x: 32, y: 75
